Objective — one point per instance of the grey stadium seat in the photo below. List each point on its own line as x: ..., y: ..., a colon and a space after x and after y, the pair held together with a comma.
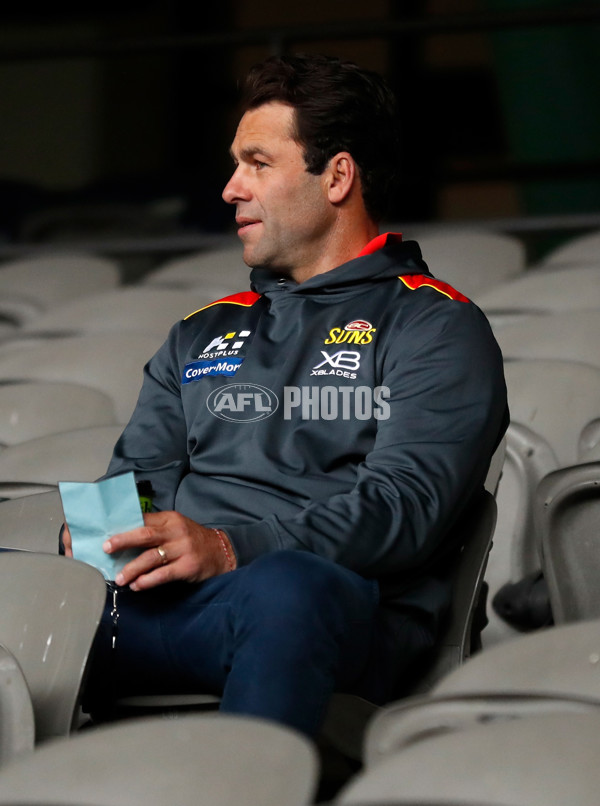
x: 218, y: 760
x: 50, y: 608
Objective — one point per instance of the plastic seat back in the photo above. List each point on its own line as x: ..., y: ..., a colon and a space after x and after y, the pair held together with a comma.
x: 220, y: 269
x: 31, y: 410
x: 461, y: 635
x: 50, y: 608
x: 406, y: 722
x: 577, y: 249
x: 472, y: 260
x: 558, y: 661
x: 567, y: 336
x: 542, y: 291
x: 568, y: 514
x: 540, y: 391
x: 220, y: 760
x: 546, y: 760
x: 32, y: 523
x: 540, y: 439
x: 515, y: 551
x: 110, y: 362
x: 134, y: 309
x: 551, y: 671
x: 81, y: 455
x: 50, y: 279
x: 17, y: 726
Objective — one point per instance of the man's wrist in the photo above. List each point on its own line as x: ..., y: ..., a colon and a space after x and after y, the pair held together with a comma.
x: 227, y: 549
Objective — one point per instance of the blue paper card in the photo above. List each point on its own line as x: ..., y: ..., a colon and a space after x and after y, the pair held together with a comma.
x: 94, y: 511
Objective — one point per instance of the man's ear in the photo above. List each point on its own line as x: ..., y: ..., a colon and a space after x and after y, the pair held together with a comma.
x: 342, y: 174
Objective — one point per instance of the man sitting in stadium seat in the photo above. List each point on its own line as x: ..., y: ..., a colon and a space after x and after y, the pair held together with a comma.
x: 309, y: 442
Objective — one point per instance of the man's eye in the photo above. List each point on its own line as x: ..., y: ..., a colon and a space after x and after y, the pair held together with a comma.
x: 259, y: 165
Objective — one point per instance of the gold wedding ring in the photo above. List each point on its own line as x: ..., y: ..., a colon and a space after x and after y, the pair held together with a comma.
x: 162, y: 554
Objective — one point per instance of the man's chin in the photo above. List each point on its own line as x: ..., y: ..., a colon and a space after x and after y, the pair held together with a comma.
x: 255, y: 260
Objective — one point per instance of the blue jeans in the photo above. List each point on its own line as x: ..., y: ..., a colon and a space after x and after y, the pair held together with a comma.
x: 274, y: 638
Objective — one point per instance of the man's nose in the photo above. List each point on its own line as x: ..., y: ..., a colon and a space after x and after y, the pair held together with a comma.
x: 235, y: 190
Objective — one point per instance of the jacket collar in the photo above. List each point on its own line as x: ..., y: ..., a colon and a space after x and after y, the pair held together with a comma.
x: 383, y: 257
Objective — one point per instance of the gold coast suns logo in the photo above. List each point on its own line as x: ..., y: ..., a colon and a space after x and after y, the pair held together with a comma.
x: 359, y: 331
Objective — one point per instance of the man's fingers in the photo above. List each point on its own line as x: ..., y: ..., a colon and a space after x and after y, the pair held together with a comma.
x: 66, y: 541
x: 157, y: 577
x: 139, y: 538
x: 146, y: 563
x: 158, y: 527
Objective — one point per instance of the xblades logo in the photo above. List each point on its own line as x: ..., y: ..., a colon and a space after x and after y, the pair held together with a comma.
x: 343, y: 364
x: 343, y: 359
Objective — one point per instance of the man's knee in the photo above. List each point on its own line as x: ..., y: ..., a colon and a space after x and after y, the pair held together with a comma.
x: 293, y: 582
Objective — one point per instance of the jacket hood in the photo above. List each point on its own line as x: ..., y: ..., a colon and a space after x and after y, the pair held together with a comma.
x: 393, y: 258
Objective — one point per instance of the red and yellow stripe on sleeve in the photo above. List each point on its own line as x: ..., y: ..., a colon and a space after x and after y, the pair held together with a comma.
x: 244, y: 298
x: 416, y: 281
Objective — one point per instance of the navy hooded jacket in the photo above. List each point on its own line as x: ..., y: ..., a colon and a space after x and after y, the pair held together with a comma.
x: 353, y: 415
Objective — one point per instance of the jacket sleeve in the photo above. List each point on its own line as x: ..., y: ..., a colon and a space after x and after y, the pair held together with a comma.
x: 154, y: 442
x: 447, y: 413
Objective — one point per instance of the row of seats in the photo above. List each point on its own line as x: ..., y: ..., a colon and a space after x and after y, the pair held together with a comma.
x: 70, y: 369
x: 516, y: 724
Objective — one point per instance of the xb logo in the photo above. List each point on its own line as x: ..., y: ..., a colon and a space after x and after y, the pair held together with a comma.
x: 343, y: 359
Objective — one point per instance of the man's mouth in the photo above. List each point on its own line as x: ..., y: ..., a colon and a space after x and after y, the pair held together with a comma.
x: 245, y: 223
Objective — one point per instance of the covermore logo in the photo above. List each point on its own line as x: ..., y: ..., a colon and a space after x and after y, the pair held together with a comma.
x: 249, y: 402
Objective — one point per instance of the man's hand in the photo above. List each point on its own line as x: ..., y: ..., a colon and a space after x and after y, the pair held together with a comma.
x: 176, y: 549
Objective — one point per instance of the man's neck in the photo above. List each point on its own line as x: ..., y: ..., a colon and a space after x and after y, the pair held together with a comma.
x: 344, y: 244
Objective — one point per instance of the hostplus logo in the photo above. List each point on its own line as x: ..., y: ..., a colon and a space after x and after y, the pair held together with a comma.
x: 224, y: 346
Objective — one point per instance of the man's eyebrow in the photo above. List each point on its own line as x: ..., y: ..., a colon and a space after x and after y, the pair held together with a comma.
x: 249, y: 152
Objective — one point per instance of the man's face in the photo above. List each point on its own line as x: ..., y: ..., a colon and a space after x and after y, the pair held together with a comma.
x: 282, y: 211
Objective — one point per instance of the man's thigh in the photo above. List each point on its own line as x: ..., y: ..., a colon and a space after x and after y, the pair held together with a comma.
x: 182, y: 638
x: 134, y: 657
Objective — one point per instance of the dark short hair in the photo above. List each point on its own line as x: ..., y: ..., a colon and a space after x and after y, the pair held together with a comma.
x: 339, y: 107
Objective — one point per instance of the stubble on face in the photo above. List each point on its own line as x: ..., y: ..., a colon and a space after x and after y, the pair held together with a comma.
x: 282, y: 211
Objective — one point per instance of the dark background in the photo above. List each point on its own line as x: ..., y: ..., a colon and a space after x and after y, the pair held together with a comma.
x: 110, y: 107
